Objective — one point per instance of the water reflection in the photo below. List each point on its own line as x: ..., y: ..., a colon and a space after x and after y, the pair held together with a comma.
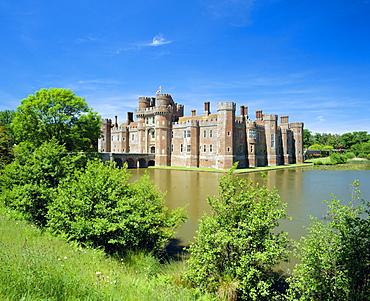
x: 302, y: 190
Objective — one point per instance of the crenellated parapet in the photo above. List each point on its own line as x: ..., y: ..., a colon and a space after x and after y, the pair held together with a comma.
x: 226, y: 105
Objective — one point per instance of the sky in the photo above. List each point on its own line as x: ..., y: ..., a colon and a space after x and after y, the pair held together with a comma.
x: 309, y: 60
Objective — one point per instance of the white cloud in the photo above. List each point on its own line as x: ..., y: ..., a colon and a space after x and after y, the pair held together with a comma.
x: 159, y: 40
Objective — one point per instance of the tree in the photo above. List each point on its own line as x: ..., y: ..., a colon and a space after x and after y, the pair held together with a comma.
x: 335, y: 256
x: 56, y: 113
x: 6, y: 118
x: 99, y: 207
x: 28, y: 184
x: 307, y: 138
x: 236, y: 247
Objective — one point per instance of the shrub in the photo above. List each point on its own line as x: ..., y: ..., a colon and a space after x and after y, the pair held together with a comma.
x: 335, y: 256
x: 236, y: 248
x: 99, y: 207
x: 29, y: 182
x: 317, y: 163
x: 368, y: 156
x: 350, y: 155
x: 362, y: 155
x: 337, y: 158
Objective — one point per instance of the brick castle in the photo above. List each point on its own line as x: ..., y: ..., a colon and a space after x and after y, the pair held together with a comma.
x: 208, y: 140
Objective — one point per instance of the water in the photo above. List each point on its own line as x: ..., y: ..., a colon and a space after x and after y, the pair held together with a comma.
x: 302, y: 190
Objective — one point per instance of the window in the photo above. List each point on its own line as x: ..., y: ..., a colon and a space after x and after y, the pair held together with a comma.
x: 240, y: 134
x: 204, y: 133
x: 133, y: 137
x: 210, y: 148
x: 228, y: 133
x: 210, y: 133
x: 181, y: 147
x: 272, y: 140
x: 184, y: 134
x: 252, y: 134
x: 188, y: 148
x: 171, y: 134
x: 188, y: 133
x: 240, y: 148
x: 171, y: 148
x: 204, y: 148
x: 228, y: 149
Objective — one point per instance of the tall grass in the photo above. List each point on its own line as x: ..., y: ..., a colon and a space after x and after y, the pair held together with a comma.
x: 36, y: 266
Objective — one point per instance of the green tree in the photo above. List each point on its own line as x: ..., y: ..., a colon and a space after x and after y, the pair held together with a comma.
x: 316, y: 147
x: 100, y: 208
x: 28, y: 183
x: 56, y: 113
x: 6, y: 118
x: 236, y: 246
x: 335, y: 256
x: 5, y: 146
x: 307, y: 138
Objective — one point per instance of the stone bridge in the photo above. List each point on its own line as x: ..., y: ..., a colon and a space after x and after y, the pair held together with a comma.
x: 132, y: 160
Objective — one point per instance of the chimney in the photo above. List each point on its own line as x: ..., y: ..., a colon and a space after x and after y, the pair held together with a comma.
x: 246, y: 112
x: 284, y: 119
x: 242, y: 111
x: 259, y: 115
x: 116, y: 121
x: 206, y: 108
x: 193, y: 112
x: 130, y: 117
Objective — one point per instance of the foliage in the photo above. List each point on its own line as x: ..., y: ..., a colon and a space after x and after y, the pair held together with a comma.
x: 335, y: 256
x: 350, y: 155
x: 235, y: 246
x: 99, y: 207
x: 56, y: 113
x: 316, y: 147
x: 307, y: 138
x: 327, y: 148
x: 6, y: 118
x: 338, y: 158
x: 5, y: 146
x: 29, y: 182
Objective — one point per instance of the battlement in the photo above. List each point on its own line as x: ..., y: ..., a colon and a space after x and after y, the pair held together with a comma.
x: 270, y: 117
x: 226, y: 105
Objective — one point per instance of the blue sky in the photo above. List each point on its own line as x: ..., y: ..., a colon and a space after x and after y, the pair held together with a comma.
x: 306, y: 59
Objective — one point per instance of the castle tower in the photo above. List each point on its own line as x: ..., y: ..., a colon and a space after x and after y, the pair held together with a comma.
x: 297, y: 128
x: 105, y: 141
x: 251, y: 145
x: 226, y: 125
x: 271, y: 138
x: 163, y: 113
x: 284, y: 125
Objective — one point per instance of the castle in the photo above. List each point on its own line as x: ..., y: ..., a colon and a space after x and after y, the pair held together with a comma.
x: 208, y: 140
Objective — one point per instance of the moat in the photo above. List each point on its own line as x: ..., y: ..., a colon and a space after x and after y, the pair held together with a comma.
x: 303, y: 191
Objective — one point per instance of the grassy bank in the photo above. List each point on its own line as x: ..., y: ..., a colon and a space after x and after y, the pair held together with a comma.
x: 239, y: 170
x: 37, y: 266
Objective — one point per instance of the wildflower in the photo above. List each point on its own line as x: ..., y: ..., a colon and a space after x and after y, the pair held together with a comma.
x: 98, y: 273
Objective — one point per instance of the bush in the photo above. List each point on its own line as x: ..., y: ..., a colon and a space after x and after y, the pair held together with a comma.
x: 337, y: 158
x: 335, y: 256
x: 317, y: 163
x: 362, y: 155
x: 350, y: 155
x: 100, y: 208
x: 236, y: 247
x: 29, y: 182
x: 368, y: 156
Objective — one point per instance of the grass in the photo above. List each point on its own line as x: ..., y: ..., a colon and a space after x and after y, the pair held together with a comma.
x: 239, y: 170
x: 37, y: 266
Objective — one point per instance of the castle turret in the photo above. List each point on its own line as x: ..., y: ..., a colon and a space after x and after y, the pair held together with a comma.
x: 226, y: 129
x: 297, y: 128
x: 271, y: 138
